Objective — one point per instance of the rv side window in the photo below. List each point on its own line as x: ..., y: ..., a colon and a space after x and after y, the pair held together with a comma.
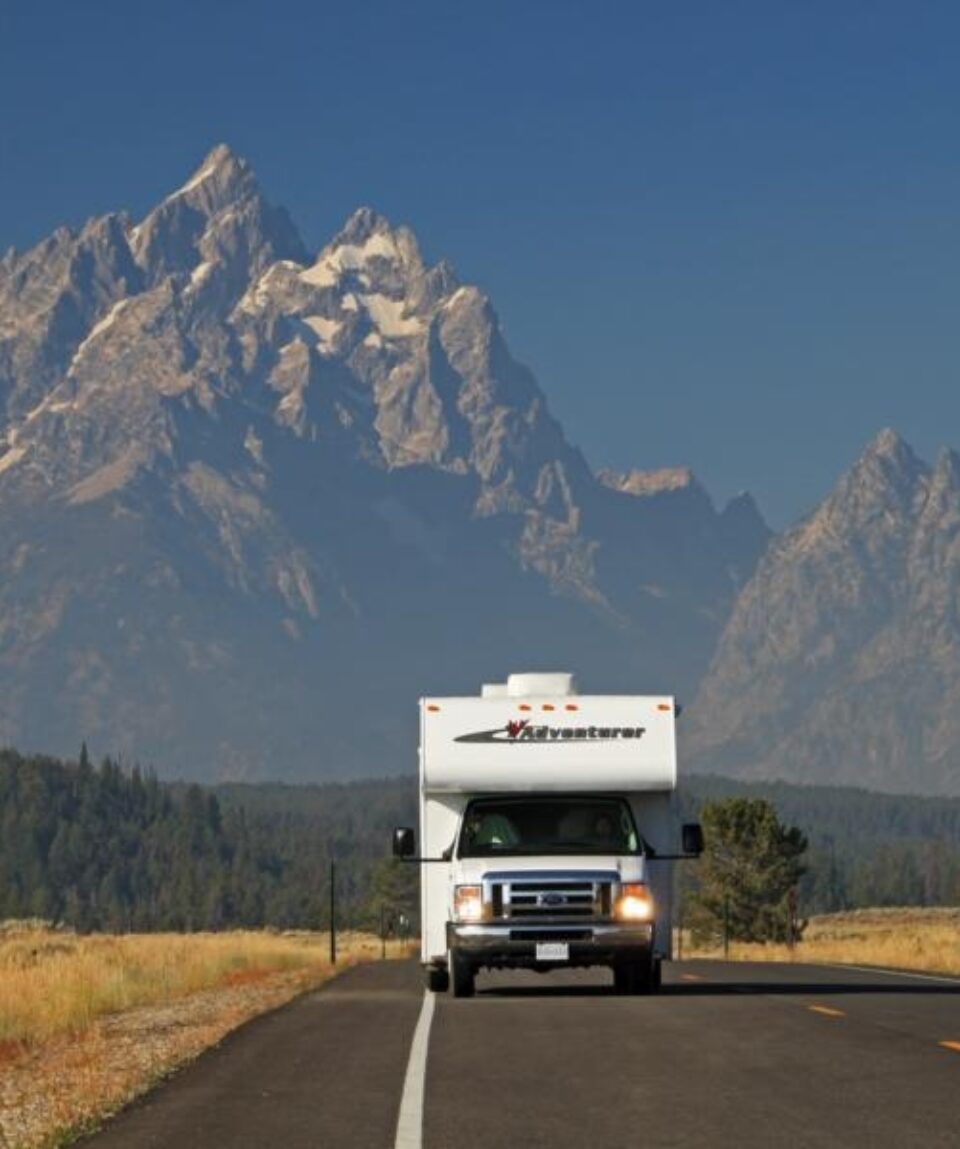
x: 547, y: 825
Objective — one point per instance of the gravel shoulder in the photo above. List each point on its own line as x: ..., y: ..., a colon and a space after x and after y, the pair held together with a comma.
x: 53, y: 1092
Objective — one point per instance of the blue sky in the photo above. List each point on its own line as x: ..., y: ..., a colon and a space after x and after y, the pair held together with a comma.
x: 723, y: 235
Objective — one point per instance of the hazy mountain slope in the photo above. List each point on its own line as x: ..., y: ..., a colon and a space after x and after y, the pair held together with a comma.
x: 841, y: 660
x: 253, y: 501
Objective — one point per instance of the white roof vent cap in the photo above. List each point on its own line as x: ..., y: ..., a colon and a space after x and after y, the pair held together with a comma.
x: 523, y: 685
x: 494, y: 690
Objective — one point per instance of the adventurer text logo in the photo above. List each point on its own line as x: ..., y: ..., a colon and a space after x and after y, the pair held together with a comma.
x: 524, y: 731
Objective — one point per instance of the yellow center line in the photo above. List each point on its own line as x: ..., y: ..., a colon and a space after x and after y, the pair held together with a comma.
x: 954, y: 1045
x: 826, y: 1011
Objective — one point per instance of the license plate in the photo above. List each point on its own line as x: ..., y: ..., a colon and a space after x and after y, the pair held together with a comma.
x: 553, y: 951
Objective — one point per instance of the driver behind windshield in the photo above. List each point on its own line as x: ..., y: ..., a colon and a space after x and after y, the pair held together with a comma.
x: 539, y: 825
x: 491, y: 829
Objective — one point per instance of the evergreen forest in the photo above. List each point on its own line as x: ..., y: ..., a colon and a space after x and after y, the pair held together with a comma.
x: 100, y: 847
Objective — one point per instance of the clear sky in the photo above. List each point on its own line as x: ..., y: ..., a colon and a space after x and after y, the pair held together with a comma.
x: 722, y: 234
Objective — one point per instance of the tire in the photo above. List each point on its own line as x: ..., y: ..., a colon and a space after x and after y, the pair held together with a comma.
x: 462, y: 976
x: 623, y: 979
x: 438, y: 979
x: 635, y: 978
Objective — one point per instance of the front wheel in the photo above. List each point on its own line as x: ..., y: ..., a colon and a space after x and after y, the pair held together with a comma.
x: 634, y: 978
x: 438, y: 979
x: 462, y: 975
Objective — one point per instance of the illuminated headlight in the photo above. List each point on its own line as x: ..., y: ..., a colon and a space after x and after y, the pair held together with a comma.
x: 635, y: 903
x: 467, y: 903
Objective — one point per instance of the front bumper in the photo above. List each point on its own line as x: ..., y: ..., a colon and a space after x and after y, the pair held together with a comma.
x: 512, y: 945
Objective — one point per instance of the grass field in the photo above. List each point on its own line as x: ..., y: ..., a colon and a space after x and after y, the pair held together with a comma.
x: 87, y: 1023
x: 909, y: 938
x: 54, y: 983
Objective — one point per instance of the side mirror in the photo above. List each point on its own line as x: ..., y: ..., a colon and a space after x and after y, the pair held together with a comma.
x: 404, y: 842
x: 692, y: 838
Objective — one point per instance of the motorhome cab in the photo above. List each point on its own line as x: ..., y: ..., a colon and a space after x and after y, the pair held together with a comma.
x: 547, y: 832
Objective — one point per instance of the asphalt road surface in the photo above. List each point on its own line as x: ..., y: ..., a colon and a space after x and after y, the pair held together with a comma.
x: 725, y: 1055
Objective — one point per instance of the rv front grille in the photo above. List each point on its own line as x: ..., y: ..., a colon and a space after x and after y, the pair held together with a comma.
x: 548, y: 898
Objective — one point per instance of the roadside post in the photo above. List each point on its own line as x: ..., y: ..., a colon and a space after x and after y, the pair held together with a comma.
x: 333, y: 912
x: 792, y: 918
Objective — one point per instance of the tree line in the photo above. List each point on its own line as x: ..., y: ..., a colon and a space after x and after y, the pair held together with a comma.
x: 102, y: 848
x: 106, y: 848
x: 864, y: 848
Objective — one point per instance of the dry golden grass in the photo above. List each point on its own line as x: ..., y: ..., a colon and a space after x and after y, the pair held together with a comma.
x: 87, y: 1023
x: 916, y: 939
x: 54, y: 983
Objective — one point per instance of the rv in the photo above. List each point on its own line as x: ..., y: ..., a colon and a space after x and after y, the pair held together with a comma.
x: 547, y: 832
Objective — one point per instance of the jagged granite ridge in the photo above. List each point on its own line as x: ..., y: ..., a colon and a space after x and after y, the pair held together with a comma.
x: 254, y: 499
x: 841, y: 659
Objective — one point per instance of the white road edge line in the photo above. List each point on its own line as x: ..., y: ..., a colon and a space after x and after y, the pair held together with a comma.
x: 898, y: 973
x: 410, y: 1120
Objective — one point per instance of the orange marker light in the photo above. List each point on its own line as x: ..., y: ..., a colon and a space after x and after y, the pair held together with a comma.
x: 523, y: 706
x: 571, y: 706
x: 548, y: 706
x: 433, y: 708
x: 663, y: 705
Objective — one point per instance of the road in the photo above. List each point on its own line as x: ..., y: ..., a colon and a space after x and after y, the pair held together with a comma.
x: 726, y: 1055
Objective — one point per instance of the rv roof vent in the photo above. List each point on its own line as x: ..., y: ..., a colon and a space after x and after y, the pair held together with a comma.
x: 521, y: 685
x: 494, y: 690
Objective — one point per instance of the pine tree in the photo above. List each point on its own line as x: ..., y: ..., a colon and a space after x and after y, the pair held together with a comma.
x: 751, y: 865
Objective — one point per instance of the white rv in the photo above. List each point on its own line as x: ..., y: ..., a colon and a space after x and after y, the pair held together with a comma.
x: 547, y: 832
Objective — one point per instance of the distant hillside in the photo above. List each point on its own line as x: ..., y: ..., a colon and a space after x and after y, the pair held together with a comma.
x: 100, y: 848
x: 840, y: 663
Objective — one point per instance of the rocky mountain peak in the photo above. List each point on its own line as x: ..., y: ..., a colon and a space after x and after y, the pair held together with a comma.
x: 50, y: 296
x: 361, y: 225
x: 891, y: 457
x: 647, y: 483
x: 946, y: 472
x: 839, y: 661
x: 376, y: 253
x: 666, y: 487
x: 220, y: 214
x: 643, y: 483
x: 941, y: 509
x: 223, y: 178
x: 742, y: 514
x: 886, y: 483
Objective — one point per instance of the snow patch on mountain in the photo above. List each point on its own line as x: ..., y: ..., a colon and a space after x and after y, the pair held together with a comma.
x: 325, y: 329
x: 390, y: 318
x: 324, y: 273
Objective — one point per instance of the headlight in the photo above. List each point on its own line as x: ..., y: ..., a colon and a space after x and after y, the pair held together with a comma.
x: 467, y: 903
x: 635, y: 903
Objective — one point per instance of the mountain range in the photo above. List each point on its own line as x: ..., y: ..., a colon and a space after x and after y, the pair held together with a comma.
x: 255, y: 499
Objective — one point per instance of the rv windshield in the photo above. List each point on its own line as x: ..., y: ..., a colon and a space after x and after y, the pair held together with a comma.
x: 547, y: 826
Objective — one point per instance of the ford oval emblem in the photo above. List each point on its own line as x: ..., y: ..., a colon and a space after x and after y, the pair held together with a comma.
x: 553, y: 900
